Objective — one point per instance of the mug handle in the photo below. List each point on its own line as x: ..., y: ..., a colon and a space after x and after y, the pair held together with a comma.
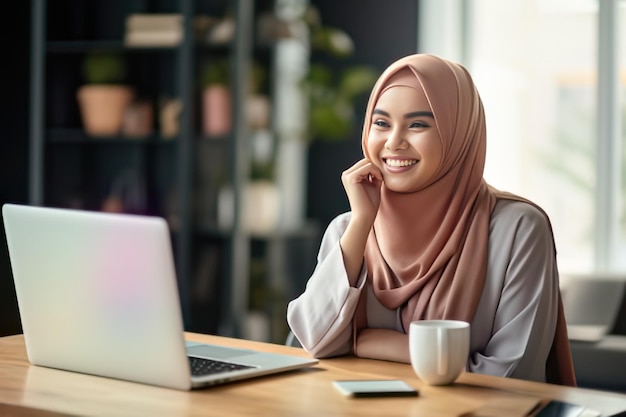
x: 442, y: 360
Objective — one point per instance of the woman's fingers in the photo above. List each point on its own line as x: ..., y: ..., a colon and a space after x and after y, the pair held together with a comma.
x: 362, y: 183
x: 362, y: 171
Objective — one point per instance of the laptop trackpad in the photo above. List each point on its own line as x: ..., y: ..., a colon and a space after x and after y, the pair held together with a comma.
x: 215, y: 352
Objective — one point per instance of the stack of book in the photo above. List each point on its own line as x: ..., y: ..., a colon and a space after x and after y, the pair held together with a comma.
x: 153, y: 30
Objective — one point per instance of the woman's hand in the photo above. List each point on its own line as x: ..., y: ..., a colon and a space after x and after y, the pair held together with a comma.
x: 362, y: 183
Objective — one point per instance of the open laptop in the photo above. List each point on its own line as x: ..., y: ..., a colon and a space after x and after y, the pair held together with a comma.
x: 98, y: 294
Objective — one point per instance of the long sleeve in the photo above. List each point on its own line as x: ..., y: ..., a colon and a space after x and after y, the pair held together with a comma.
x: 513, y: 329
x: 321, y: 317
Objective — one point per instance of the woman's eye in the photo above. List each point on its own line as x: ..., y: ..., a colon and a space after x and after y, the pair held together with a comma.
x: 381, y: 123
x: 418, y: 125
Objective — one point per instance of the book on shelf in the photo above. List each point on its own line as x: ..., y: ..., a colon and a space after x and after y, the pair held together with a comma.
x: 155, y: 30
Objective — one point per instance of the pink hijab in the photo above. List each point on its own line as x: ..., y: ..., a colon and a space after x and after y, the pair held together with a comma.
x: 427, y: 252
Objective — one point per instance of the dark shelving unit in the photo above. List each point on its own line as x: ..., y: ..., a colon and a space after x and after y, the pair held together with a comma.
x: 70, y: 168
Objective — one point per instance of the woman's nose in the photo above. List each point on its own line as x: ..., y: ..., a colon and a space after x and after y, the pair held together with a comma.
x: 396, y: 140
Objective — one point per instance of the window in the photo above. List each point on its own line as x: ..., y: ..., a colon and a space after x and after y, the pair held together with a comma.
x: 619, y: 112
x: 552, y: 76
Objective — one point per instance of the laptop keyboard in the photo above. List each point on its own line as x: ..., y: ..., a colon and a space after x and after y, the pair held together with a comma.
x: 203, y: 366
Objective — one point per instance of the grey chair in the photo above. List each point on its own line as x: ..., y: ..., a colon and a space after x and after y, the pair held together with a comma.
x: 593, y: 307
x: 292, y: 340
x: 593, y: 300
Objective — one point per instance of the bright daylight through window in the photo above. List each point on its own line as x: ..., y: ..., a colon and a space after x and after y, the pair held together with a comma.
x: 544, y: 68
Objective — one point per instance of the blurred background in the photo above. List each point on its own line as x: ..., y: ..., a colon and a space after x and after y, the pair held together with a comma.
x: 233, y: 119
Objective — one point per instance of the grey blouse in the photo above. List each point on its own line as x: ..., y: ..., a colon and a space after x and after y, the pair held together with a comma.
x: 513, y: 328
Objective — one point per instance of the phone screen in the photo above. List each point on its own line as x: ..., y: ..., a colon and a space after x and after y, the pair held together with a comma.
x: 375, y: 388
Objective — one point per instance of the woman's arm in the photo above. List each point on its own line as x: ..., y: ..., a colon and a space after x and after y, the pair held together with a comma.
x: 384, y: 344
x: 321, y: 317
x: 518, y: 314
x: 352, y: 244
x: 362, y: 183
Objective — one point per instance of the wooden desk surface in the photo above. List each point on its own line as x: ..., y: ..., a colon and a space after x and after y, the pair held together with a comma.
x: 27, y: 390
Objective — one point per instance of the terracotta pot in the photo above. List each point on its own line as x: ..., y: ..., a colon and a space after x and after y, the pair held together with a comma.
x: 102, y: 108
x: 216, y: 111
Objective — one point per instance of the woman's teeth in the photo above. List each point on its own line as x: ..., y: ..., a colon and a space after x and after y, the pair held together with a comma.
x: 400, y: 162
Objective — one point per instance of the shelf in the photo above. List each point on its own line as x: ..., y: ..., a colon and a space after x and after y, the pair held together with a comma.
x: 217, y: 139
x: 203, y: 47
x: 214, y: 233
x: 83, y: 46
x: 70, y: 47
x: 309, y: 230
x: 79, y: 136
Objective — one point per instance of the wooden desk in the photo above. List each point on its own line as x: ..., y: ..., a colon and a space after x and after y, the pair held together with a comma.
x: 27, y: 390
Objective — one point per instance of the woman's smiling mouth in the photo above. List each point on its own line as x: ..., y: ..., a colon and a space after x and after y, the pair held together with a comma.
x: 399, y: 163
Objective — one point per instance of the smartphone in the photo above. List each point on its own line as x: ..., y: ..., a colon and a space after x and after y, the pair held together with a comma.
x: 375, y: 388
x: 562, y: 409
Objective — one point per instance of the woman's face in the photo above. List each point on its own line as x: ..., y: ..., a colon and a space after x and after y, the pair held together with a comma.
x: 403, y: 141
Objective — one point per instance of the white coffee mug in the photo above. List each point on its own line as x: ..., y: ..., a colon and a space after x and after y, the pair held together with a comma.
x: 439, y: 349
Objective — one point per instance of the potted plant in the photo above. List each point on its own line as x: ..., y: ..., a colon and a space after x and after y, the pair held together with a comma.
x: 104, y: 97
x: 331, y: 99
x: 331, y: 94
x: 216, y: 98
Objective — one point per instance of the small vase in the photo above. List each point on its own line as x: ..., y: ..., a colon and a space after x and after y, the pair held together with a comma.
x: 216, y: 111
x: 260, y: 207
x: 258, y: 111
x: 138, y: 120
x: 102, y: 108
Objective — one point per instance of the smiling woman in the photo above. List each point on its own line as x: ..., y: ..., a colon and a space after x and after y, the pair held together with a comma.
x: 427, y: 238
